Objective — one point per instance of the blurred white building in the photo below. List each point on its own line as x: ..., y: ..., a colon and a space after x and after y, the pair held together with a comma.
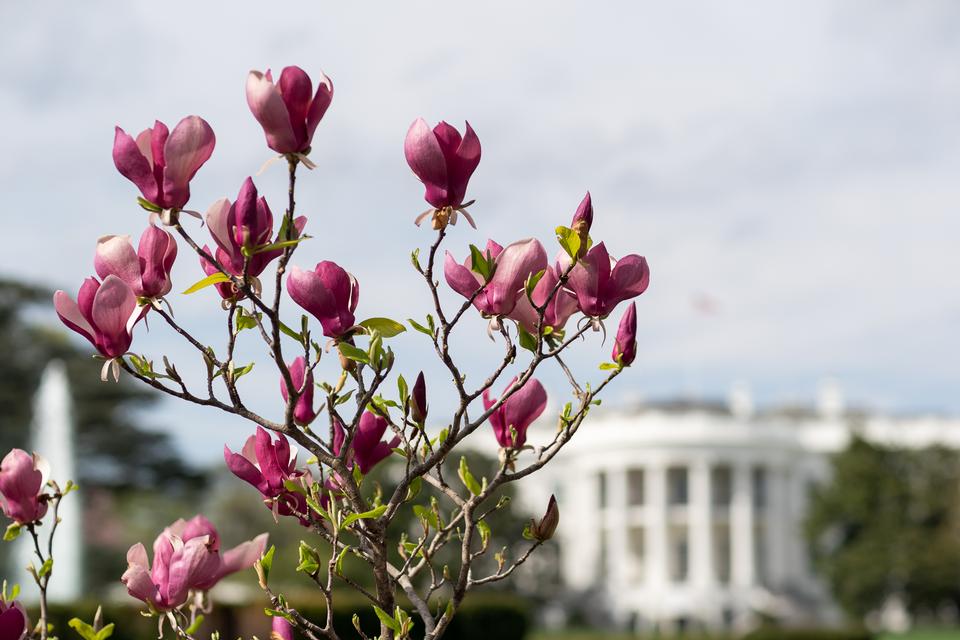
x: 688, y: 515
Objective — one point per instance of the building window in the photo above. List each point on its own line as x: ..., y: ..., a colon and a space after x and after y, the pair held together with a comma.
x: 679, y: 554
x: 721, y: 553
x: 721, y: 485
x: 760, y: 483
x: 635, y: 487
x: 677, y: 485
x: 602, y: 490
x: 636, y: 541
x: 760, y: 555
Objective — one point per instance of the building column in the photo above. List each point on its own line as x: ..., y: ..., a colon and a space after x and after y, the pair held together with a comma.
x: 743, y: 572
x: 618, y: 550
x: 778, y: 519
x: 655, y: 484
x: 701, y: 525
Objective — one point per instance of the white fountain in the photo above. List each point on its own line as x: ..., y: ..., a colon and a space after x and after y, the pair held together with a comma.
x: 51, y: 435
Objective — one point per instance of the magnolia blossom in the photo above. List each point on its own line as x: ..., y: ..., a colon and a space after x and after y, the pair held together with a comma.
x: 105, y: 314
x: 443, y: 161
x: 544, y: 528
x: 14, y: 623
x: 186, y: 556
x: 625, y: 346
x: 601, y: 283
x: 146, y: 270
x: 245, y: 226
x: 288, y: 111
x: 367, y: 448
x: 517, y: 412
x: 162, y: 163
x: 268, y: 465
x: 562, y: 305
x: 280, y: 629
x: 328, y: 293
x: 303, y: 412
x: 512, y: 266
x: 22, y: 478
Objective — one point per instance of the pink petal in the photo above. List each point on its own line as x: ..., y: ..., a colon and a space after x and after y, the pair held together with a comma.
x: 517, y: 262
x: 157, y: 251
x: 426, y: 159
x: 132, y: 164
x: 267, y: 106
x: 70, y: 315
x: 113, y: 307
x: 523, y: 407
x: 460, y: 278
x: 308, y: 290
x: 190, y: 145
x: 241, y: 467
x: 321, y: 102
x: 244, y: 555
x: 115, y: 256
x: 630, y: 277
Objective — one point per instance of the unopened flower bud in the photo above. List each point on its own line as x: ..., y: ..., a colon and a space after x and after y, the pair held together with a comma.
x: 418, y: 400
x: 544, y: 529
x: 281, y: 629
x: 625, y: 346
x: 582, y: 221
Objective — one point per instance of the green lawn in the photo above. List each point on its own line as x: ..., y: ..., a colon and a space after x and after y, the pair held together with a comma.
x: 939, y: 634
x: 920, y: 634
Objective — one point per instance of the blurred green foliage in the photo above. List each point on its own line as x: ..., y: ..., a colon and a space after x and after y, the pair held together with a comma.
x: 888, y: 525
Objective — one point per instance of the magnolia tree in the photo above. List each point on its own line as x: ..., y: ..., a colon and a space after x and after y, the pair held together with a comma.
x: 366, y: 412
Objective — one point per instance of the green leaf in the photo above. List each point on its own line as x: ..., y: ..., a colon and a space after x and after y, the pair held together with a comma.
x: 376, y: 512
x: 607, y: 366
x: 192, y: 629
x: 351, y: 352
x: 215, y: 278
x: 309, y: 559
x: 402, y: 390
x: 12, y: 532
x: 283, y: 244
x: 532, y: 283
x: 484, y: 530
x: 273, y: 613
x: 86, y: 631
x: 480, y: 263
x: 266, y: 562
x: 419, y: 327
x: 527, y: 341
x: 528, y: 533
x: 415, y: 260
x: 387, y: 619
x: 569, y: 240
x: 46, y: 567
x: 427, y: 515
x: 413, y: 489
x: 246, y: 320
x: 338, y: 565
x: 149, y: 206
x: 467, y: 478
x: 242, y: 371
x: 388, y: 328
x: 291, y: 333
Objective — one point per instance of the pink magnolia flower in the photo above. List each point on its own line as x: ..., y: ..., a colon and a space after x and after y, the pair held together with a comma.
x: 161, y: 163
x: 14, y: 623
x: 288, y: 111
x: 367, y: 448
x: 280, y: 629
x: 329, y: 293
x: 517, y: 412
x: 245, y: 226
x: 186, y: 556
x: 105, y: 314
x: 147, y: 270
x: 442, y: 160
x: 558, y: 310
x: 267, y: 465
x: 303, y: 412
x: 514, y: 264
x: 22, y: 477
x: 625, y: 346
x: 601, y: 283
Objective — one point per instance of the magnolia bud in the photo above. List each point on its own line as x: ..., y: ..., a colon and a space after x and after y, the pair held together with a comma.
x: 418, y: 400
x: 582, y: 221
x: 544, y: 529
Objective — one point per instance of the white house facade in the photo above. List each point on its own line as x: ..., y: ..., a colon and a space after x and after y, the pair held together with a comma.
x: 688, y: 516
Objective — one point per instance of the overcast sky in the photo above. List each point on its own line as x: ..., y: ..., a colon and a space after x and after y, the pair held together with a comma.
x: 793, y: 164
